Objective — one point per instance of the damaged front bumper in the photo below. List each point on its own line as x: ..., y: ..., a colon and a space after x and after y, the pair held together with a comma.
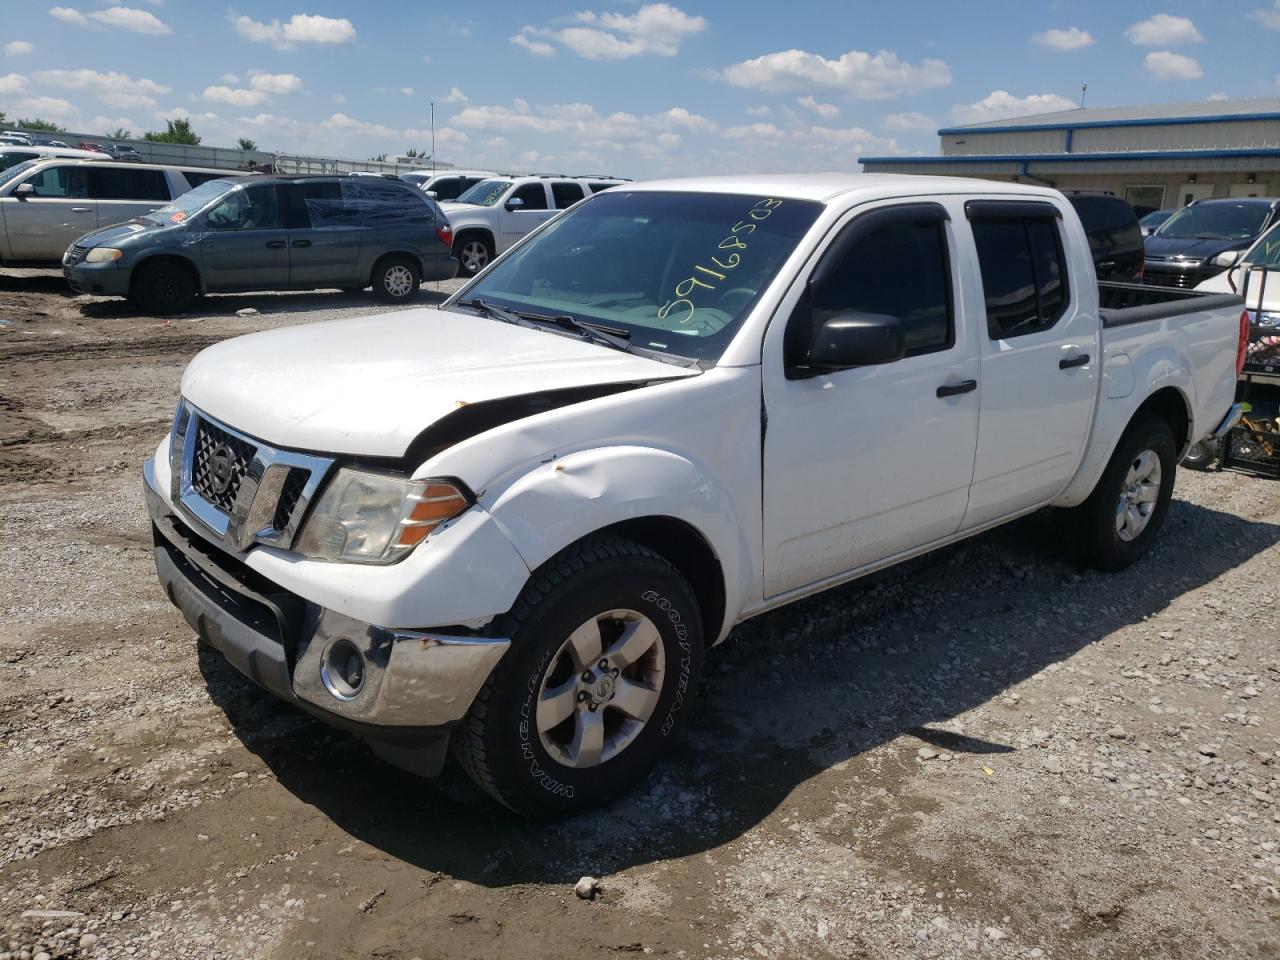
x: 400, y: 690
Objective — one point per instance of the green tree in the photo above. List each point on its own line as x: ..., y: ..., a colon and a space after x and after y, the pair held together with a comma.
x: 3, y: 118
x: 244, y: 143
x: 380, y: 158
x: 415, y: 152
x: 179, y: 132
x: 120, y: 133
x: 45, y: 126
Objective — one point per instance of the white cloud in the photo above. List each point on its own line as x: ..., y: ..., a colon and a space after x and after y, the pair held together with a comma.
x: 856, y: 74
x: 1064, y: 38
x: 68, y: 15
x: 113, y: 88
x: 231, y: 78
x: 407, y: 91
x: 821, y: 109
x: 1163, y: 30
x: 761, y: 111
x: 1268, y: 18
x: 13, y: 83
x: 234, y: 97
x: 1164, y: 65
x: 129, y: 18
x: 910, y: 121
x: 45, y: 107
x: 1001, y: 104
x: 17, y: 48
x: 300, y: 28
x: 656, y: 29
x: 538, y: 48
x: 455, y: 95
x: 274, y: 82
x: 1216, y: 97
x: 757, y: 130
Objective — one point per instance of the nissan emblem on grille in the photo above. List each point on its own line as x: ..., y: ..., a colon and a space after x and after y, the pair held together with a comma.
x: 222, y: 468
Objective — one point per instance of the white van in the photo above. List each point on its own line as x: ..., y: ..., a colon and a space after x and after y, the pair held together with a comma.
x: 13, y: 154
x: 47, y: 204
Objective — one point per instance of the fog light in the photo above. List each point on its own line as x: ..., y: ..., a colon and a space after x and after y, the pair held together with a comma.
x: 342, y: 670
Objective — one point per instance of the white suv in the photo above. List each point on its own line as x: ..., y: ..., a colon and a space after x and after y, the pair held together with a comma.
x: 446, y: 185
x: 497, y: 212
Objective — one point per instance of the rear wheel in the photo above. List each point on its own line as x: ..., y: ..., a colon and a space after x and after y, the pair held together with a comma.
x: 396, y: 279
x: 163, y: 287
x: 1120, y: 521
x: 1202, y: 455
x: 606, y: 649
x: 473, y: 251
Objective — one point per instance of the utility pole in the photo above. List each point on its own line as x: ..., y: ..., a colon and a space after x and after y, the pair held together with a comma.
x: 433, y: 137
x: 1084, y: 89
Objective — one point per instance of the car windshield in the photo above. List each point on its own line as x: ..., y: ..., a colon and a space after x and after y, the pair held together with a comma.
x: 677, y: 272
x: 485, y: 193
x: 17, y: 170
x: 191, y: 202
x: 1266, y: 252
x: 1155, y: 218
x: 1216, y: 221
x: 11, y: 158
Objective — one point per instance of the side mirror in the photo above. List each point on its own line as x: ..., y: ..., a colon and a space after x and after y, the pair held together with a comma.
x: 515, y: 203
x: 24, y: 190
x: 1226, y: 259
x: 432, y: 194
x: 856, y: 340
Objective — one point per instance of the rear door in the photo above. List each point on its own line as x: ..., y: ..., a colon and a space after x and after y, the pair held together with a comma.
x: 565, y: 193
x: 1040, y: 358
x: 515, y: 222
x: 124, y: 193
x: 244, y: 244
x: 42, y: 224
x: 324, y: 234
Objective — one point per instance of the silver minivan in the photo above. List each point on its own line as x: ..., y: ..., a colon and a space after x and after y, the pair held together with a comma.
x: 45, y: 205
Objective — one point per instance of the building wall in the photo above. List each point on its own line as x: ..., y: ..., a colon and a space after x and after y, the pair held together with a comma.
x: 1235, y: 135
x: 1031, y: 141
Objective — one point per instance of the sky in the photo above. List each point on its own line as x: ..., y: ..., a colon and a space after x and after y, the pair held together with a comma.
x: 621, y: 87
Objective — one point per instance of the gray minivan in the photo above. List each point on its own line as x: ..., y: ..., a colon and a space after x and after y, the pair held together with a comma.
x: 46, y: 204
x: 270, y: 233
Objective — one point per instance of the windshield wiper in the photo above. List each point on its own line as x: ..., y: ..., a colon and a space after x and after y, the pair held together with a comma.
x: 496, y: 312
x: 600, y: 333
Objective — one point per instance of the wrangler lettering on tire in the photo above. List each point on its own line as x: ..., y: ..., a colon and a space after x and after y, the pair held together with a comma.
x: 605, y: 656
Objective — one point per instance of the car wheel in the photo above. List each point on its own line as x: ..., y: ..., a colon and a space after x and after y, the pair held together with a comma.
x: 396, y: 280
x: 473, y: 252
x: 606, y: 650
x: 163, y: 288
x: 1120, y: 521
x: 1202, y: 455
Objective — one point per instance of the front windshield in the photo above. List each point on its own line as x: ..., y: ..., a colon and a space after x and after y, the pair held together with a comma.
x: 11, y: 158
x: 1216, y: 221
x: 1155, y: 218
x: 17, y: 170
x: 485, y: 193
x: 1266, y: 252
x: 678, y: 271
x: 192, y: 202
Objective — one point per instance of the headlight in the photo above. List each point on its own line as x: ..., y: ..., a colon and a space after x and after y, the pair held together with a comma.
x: 366, y: 517
x: 103, y: 255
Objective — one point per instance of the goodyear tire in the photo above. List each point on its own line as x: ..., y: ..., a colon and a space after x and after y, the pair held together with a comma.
x: 604, y: 663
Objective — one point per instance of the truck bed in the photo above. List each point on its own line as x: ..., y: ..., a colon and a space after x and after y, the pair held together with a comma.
x: 1125, y: 303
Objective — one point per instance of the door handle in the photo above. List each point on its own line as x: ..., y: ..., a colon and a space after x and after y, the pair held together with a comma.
x: 955, y: 389
x: 82, y: 209
x: 275, y: 244
x: 302, y: 243
x: 1069, y: 362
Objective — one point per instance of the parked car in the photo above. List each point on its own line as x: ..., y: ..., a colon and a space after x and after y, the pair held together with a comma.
x: 495, y: 213
x: 123, y: 152
x: 1243, y: 274
x: 270, y: 233
x: 17, y: 135
x: 1115, y: 239
x: 1183, y: 251
x: 92, y: 145
x: 517, y: 521
x: 12, y: 156
x: 446, y: 185
x: 46, y: 204
x: 1150, y: 221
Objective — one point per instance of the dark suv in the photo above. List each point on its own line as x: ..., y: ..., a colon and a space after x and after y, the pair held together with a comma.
x: 1183, y: 250
x: 270, y: 233
x: 1115, y: 238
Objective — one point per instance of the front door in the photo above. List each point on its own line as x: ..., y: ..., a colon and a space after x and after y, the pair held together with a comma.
x: 866, y: 463
x: 515, y: 221
x: 41, y: 224
x: 1040, y: 359
x: 244, y: 244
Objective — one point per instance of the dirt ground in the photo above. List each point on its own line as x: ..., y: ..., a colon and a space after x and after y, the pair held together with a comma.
x: 983, y: 753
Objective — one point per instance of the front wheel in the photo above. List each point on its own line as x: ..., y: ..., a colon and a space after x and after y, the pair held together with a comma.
x: 163, y: 287
x: 606, y: 649
x: 1119, y: 523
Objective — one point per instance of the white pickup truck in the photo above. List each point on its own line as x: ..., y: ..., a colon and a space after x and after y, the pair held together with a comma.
x: 517, y: 521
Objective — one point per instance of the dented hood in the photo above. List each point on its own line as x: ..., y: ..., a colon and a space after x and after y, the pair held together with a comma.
x: 370, y: 385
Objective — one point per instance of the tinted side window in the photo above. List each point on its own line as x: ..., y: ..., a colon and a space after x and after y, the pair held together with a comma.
x: 381, y: 202
x: 902, y: 270
x: 597, y: 187
x: 1024, y: 277
x: 251, y: 208
x: 534, y: 196
x: 317, y: 206
x: 106, y: 183
x: 447, y: 188
x: 566, y: 194
x: 71, y: 183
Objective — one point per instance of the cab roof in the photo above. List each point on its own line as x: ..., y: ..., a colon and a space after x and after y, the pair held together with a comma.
x: 825, y: 187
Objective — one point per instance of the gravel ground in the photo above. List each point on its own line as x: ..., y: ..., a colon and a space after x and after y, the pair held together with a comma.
x: 982, y: 753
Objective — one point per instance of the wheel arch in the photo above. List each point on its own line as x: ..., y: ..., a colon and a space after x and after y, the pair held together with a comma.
x: 141, y: 265
x: 1172, y: 406
x: 394, y: 255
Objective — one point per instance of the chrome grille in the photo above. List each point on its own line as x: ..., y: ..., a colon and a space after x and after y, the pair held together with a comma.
x: 1170, y: 278
x: 289, y: 496
x: 219, y: 465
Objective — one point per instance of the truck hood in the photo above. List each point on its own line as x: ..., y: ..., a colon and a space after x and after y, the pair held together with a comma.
x: 368, y: 386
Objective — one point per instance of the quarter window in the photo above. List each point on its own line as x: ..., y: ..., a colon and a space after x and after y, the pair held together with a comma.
x: 108, y: 183
x: 565, y: 194
x: 447, y: 188
x: 1024, y: 277
x: 534, y: 196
